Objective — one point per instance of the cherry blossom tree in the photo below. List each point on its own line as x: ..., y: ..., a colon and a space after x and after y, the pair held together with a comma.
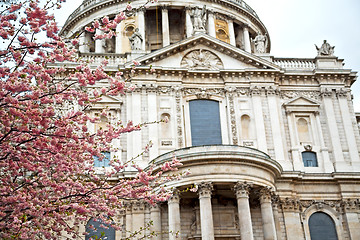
x: 48, y: 185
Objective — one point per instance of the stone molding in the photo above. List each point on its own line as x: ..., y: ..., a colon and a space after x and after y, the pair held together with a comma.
x: 230, y: 94
x: 265, y: 194
x: 242, y: 189
x: 205, y: 189
x: 138, y: 207
x: 175, y: 197
x: 289, y: 94
x: 350, y: 205
x: 290, y: 205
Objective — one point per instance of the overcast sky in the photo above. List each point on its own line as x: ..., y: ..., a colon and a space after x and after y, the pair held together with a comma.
x: 296, y: 25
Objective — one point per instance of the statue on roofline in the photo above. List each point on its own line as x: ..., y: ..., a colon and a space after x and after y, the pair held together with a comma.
x: 260, y: 43
x: 325, y: 50
x: 199, y: 18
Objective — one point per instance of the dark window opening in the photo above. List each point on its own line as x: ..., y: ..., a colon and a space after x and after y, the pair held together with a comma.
x: 322, y: 227
x: 309, y: 159
x: 205, y: 122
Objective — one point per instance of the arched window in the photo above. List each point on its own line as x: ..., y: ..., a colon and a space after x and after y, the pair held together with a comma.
x: 322, y: 227
x: 309, y: 159
x: 165, y: 129
x: 303, y: 130
x: 96, y: 231
x: 245, y: 127
x: 205, y: 122
x: 129, y: 30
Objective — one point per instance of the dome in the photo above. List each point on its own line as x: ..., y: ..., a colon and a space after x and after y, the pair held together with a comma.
x: 167, y: 22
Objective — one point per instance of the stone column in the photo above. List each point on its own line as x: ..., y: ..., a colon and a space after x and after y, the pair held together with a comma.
x: 155, y: 216
x: 128, y: 219
x: 242, y: 196
x: 118, y: 40
x: 174, y: 216
x: 247, y: 44
x: 165, y: 26
x: 267, y: 214
x: 99, y: 43
x: 231, y: 32
x: 206, y: 217
x: 211, y: 24
x: 138, y: 217
x: 141, y: 25
x: 82, y: 42
x: 189, y: 26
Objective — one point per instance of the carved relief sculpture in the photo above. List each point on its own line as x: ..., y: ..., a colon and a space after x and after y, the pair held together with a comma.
x: 201, y: 59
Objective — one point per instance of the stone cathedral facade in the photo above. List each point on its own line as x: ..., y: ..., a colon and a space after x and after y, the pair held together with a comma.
x: 272, y: 143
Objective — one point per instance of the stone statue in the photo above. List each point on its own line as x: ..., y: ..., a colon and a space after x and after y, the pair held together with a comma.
x: 199, y: 16
x: 260, y: 43
x: 109, y: 45
x: 193, y: 225
x: 325, y: 50
x: 136, y: 40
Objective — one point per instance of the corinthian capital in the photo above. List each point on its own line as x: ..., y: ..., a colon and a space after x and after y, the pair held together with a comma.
x: 266, y: 194
x: 242, y: 189
x: 205, y: 189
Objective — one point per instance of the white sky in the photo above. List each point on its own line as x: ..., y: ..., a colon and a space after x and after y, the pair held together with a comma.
x: 296, y: 25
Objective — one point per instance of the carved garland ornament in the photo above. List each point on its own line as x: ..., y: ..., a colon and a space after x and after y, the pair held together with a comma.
x: 201, y: 59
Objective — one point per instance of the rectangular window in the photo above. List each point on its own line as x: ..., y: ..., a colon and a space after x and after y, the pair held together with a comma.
x: 309, y: 159
x: 205, y: 122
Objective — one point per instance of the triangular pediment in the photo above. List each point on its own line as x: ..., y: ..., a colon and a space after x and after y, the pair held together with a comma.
x: 109, y: 102
x: 203, y: 52
x: 301, y: 104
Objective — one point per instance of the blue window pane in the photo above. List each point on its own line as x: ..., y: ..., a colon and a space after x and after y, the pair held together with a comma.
x: 322, y: 227
x: 105, y: 161
x: 309, y: 159
x: 205, y: 122
x: 95, y: 231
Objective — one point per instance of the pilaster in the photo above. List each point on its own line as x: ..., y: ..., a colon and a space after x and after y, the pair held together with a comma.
x: 340, y: 164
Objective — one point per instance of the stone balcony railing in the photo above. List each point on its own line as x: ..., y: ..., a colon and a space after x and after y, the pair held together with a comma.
x: 113, y: 58
x: 295, y: 63
x: 216, y: 152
